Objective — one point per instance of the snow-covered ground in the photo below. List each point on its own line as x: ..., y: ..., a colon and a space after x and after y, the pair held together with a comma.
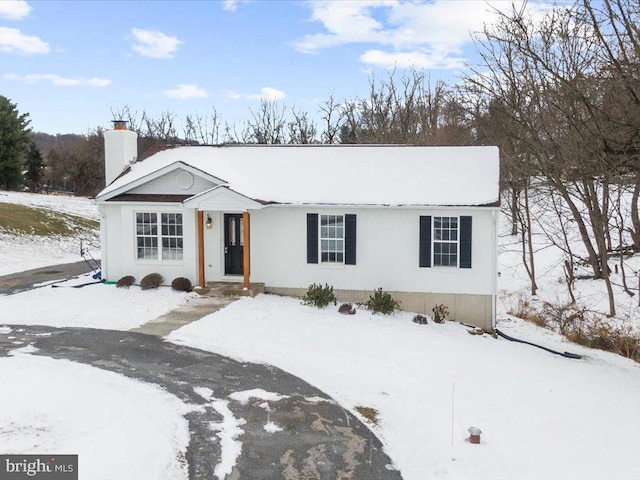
x: 120, y: 428
x: 542, y: 416
x: 92, y: 306
x: 24, y: 252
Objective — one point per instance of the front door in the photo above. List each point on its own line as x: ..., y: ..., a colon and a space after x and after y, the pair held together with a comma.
x: 233, y: 243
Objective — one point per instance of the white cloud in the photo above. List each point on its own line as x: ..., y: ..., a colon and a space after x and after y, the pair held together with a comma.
x: 13, y: 40
x: 185, y: 91
x: 232, y: 5
x: 154, y: 44
x: 266, y: 93
x: 412, y: 33
x: 59, y: 81
x: 14, y: 9
x: 418, y: 60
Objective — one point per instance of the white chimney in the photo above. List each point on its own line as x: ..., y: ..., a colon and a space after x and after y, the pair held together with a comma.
x: 120, y: 150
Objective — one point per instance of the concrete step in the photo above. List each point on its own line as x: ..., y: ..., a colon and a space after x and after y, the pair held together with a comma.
x: 230, y: 289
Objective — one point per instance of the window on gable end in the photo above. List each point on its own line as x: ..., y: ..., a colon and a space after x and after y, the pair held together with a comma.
x: 445, y: 241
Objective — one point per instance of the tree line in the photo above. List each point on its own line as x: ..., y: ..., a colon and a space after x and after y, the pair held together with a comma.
x: 558, y: 92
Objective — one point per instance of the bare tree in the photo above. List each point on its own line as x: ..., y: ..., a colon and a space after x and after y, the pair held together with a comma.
x: 406, y: 110
x: 81, y: 163
x: 550, y: 75
x: 203, y: 130
x: 331, y: 116
x: 301, y: 129
x: 267, y: 124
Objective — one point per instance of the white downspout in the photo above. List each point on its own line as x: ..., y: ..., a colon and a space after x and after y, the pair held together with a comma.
x: 103, y: 242
x: 494, y: 276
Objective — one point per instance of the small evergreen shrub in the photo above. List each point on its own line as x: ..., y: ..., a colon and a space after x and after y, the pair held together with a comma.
x: 382, y: 302
x: 181, y: 284
x: 439, y: 313
x: 153, y: 280
x: 126, y: 281
x: 421, y: 319
x: 346, y: 309
x: 319, y: 296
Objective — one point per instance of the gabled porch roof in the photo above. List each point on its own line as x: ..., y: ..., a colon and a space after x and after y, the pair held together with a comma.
x: 222, y: 197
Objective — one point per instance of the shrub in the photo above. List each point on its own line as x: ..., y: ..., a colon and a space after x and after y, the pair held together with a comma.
x: 525, y: 310
x: 319, y: 296
x: 439, y: 313
x: 153, y: 280
x: 382, y: 302
x: 567, y: 318
x: 421, y: 319
x: 181, y: 284
x: 346, y: 309
x: 126, y: 281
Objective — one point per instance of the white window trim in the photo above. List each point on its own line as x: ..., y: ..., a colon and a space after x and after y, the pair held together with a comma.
x: 434, y: 241
x: 158, y: 236
x: 320, y: 238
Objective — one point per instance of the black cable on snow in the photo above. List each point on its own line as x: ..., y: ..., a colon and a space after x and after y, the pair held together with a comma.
x: 55, y: 285
x: 512, y: 339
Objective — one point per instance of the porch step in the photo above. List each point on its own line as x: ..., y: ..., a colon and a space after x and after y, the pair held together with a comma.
x: 230, y: 289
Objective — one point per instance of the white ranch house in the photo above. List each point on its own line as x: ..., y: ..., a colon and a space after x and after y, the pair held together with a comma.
x: 418, y: 221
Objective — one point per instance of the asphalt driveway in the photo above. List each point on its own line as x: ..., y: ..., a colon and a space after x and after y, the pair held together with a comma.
x: 44, y: 276
x: 319, y: 440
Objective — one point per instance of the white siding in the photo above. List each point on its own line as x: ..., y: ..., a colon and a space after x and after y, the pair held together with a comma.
x: 387, y: 250
x: 119, y: 244
x: 168, y: 185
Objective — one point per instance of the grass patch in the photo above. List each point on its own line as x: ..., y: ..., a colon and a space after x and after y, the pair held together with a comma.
x: 20, y: 219
x: 371, y: 414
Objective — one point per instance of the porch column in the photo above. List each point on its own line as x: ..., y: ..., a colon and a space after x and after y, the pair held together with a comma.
x: 200, y: 222
x: 245, y: 251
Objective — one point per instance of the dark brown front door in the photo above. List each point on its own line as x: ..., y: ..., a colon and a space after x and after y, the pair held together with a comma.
x: 233, y: 243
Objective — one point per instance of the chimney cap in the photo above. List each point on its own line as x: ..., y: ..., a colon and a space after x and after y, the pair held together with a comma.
x: 119, y: 124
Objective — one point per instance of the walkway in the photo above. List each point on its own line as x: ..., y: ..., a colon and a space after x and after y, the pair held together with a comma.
x: 182, y: 315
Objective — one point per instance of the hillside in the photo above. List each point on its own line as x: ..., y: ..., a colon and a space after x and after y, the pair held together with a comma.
x: 38, y: 230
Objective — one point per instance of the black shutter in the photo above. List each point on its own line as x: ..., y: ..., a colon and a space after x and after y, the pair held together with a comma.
x: 350, y: 239
x: 465, y: 242
x: 425, y: 241
x: 312, y: 238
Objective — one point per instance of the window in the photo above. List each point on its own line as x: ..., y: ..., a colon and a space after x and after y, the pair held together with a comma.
x: 149, y: 237
x: 171, y: 236
x: 332, y: 238
x: 445, y: 241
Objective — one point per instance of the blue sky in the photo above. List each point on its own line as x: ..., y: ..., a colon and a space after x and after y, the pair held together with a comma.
x: 68, y: 63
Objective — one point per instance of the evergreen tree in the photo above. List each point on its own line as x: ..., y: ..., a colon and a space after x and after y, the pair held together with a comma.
x: 34, y: 164
x: 14, y: 139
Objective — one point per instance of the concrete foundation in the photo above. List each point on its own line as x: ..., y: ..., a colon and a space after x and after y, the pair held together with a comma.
x: 469, y: 309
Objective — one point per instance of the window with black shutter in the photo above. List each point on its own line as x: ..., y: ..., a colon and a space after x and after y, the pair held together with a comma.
x: 331, y: 238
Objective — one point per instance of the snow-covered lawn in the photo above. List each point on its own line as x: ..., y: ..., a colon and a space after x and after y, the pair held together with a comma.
x: 92, y: 306
x: 120, y: 428
x: 542, y: 416
x: 24, y: 252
